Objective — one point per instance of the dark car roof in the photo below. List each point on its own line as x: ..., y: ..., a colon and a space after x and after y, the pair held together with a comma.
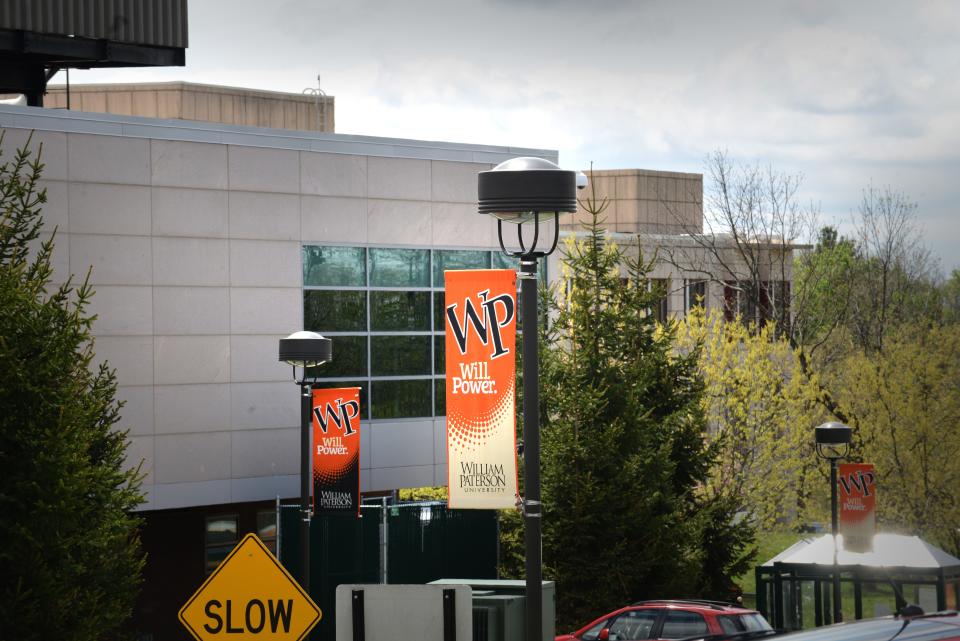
x: 926, y: 628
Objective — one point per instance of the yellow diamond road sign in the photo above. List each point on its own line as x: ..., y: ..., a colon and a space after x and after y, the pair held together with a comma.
x: 250, y: 596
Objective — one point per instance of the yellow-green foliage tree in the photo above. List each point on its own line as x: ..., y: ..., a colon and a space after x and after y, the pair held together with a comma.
x: 907, y: 400
x: 761, y: 412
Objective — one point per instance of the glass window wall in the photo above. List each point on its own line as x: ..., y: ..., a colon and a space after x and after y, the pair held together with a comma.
x: 383, y: 308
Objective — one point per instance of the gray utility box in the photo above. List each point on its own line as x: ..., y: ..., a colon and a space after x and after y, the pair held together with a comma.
x: 499, y: 608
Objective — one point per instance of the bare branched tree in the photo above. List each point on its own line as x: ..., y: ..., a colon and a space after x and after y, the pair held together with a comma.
x: 895, y: 278
x: 753, y: 223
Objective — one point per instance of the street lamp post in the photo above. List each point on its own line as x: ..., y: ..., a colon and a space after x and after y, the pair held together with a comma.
x: 833, y: 444
x: 523, y: 190
x: 305, y: 350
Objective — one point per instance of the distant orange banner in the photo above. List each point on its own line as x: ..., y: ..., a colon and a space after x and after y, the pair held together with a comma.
x: 857, y: 495
x: 481, y: 324
x: 336, y: 450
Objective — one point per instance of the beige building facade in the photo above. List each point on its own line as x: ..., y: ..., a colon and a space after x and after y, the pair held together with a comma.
x: 205, y: 103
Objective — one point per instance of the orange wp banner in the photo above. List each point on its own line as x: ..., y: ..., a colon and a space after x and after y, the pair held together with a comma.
x: 336, y: 450
x: 857, y: 495
x: 481, y: 327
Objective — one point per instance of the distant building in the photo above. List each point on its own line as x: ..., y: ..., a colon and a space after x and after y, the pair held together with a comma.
x: 661, y: 214
x: 205, y: 103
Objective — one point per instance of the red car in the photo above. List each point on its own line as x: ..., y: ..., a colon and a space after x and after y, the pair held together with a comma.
x: 670, y: 619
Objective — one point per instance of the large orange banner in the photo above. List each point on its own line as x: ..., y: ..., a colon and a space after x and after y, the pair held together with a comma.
x: 336, y: 450
x: 857, y: 494
x: 481, y: 325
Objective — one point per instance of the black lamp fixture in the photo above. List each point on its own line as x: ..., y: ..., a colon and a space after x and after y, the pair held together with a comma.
x: 524, y: 190
x: 305, y: 350
x: 833, y: 440
x: 833, y: 444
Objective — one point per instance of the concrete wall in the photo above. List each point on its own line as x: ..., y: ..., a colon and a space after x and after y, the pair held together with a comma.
x: 194, y: 234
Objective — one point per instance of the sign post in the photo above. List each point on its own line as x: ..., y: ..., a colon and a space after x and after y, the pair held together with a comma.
x: 250, y: 597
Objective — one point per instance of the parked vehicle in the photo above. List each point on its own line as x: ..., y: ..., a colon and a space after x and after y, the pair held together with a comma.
x: 937, y: 626
x: 674, y: 619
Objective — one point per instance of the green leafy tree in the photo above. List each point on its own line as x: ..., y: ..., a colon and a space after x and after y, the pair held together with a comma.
x: 908, y: 401
x: 624, y: 456
x: 70, y: 556
x: 760, y: 409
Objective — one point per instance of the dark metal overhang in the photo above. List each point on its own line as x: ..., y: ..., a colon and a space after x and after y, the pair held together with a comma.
x: 53, y: 50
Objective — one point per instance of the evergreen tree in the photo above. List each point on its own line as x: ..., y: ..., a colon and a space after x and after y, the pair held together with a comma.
x: 70, y: 555
x: 624, y: 454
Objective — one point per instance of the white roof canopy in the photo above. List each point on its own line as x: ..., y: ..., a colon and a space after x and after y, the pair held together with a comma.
x: 889, y: 550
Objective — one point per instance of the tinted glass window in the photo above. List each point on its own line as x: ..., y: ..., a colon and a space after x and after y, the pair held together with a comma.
x: 439, y: 318
x: 334, y: 266
x: 401, y: 399
x: 440, y: 396
x: 457, y: 259
x: 349, y: 358
x: 752, y: 622
x: 400, y: 356
x: 399, y: 267
x: 221, y: 537
x: 439, y: 353
x: 594, y: 632
x: 635, y: 624
x: 731, y: 625
x: 335, y: 311
x: 678, y: 624
x: 399, y: 311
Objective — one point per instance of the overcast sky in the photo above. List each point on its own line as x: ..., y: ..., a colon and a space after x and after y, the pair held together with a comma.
x: 844, y: 93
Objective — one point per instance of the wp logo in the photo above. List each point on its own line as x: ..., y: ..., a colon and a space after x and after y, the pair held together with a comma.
x: 495, y: 314
x: 342, y: 416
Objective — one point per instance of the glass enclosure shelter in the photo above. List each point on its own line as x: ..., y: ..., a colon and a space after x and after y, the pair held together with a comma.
x: 794, y: 587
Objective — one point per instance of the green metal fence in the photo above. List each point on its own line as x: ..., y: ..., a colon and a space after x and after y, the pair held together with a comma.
x: 424, y: 542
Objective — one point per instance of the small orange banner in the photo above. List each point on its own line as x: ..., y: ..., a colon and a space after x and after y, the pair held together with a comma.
x: 857, y: 495
x: 336, y: 450
x: 481, y: 325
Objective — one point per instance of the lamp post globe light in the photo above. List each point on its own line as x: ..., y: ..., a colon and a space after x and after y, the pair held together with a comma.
x: 529, y: 190
x: 833, y: 444
x: 305, y: 350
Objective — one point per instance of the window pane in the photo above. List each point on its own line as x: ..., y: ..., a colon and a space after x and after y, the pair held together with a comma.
x: 336, y: 266
x: 683, y: 624
x: 399, y: 311
x: 400, y: 355
x: 439, y: 323
x: 349, y: 358
x: 364, y: 389
x: 401, y: 399
x: 457, y: 259
x: 335, y: 311
x: 221, y: 529
x: 399, y: 267
x: 439, y: 350
x: 216, y: 554
x: 440, y: 396
x: 267, y: 525
x: 634, y: 624
x: 499, y: 260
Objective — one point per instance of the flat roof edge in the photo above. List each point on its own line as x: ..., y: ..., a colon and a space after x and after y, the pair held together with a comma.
x: 61, y: 120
